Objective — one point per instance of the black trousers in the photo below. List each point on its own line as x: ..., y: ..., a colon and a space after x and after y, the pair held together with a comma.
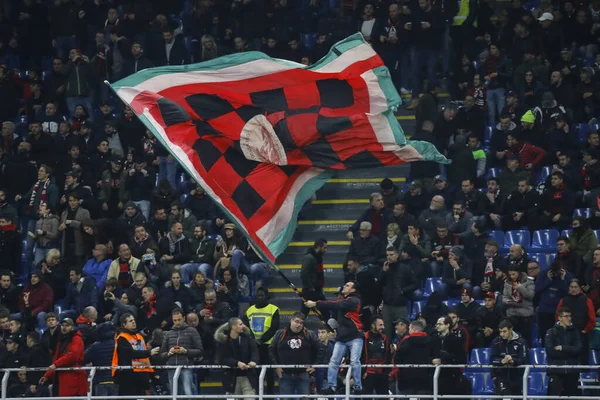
x: 545, y: 322
x: 564, y: 385
x: 375, y: 382
x: 263, y: 351
x: 506, y: 387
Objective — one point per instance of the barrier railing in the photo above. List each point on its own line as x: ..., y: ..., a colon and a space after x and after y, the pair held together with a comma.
x: 347, y: 392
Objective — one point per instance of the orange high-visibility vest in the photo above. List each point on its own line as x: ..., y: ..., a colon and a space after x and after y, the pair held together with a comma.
x: 138, y: 343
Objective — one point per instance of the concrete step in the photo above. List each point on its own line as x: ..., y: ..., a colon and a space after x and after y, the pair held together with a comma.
x: 295, y: 257
x: 337, y: 213
x: 334, y: 247
x: 379, y: 172
x: 334, y: 275
x: 353, y: 188
x: 331, y: 230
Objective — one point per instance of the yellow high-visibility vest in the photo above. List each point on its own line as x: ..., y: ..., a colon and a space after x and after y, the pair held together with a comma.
x: 463, y: 13
x: 260, y: 319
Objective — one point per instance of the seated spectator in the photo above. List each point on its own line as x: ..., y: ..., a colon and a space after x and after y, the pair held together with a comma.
x: 9, y: 292
x: 461, y: 220
x: 530, y: 157
x: 416, y: 241
x: 393, y: 238
x: 141, y: 242
x: 518, y: 299
x: 493, y: 204
x: 488, y: 320
x: 82, y: 292
x: 10, y: 244
x: 377, y: 215
x: 569, y: 169
x: 97, y: 266
x: 557, y: 204
x: 441, y: 243
x: 560, y: 139
x: 511, y: 175
x: 457, y: 272
x: 508, y: 351
x: 401, y: 217
x: 583, y: 316
x: 86, y: 325
x: 390, y: 192
x: 125, y: 225
x: 493, y: 262
x: 201, y: 206
x: 184, y: 216
x: 175, y: 247
x: 474, y: 241
x: 471, y: 198
x: 198, y: 287
x: 45, y: 234
x: 583, y: 240
x: 442, y: 188
x: 155, y: 311
x: 436, y: 213
x: 416, y: 199
x: 572, y: 262
x: 365, y: 247
x: 37, y: 298
x: 517, y: 256
x: 124, y: 267
x: 551, y: 286
x: 467, y: 313
x: 521, y: 207
x: 202, y: 248
x: 177, y: 292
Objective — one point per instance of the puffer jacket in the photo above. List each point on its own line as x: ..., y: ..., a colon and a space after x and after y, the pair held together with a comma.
x: 516, y: 347
x: 524, y: 306
x: 570, y: 341
x: 186, y: 337
x: 100, y: 354
x: 398, y: 283
x: 230, y: 352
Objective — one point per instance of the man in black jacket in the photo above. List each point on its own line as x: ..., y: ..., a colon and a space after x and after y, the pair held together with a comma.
x: 488, y: 320
x: 38, y: 357
x: 237, y: 349
x: 379, y: 217
x: 294, y: 345
x: 349, y: 335
x: 398, y: 282
x: 312, y: 275
x: 175, y: 246
x: 563, y: 347
x: 509, y: 350
x: 415, y: 349
x: 370, y: 296
x: 9, y: 293
x: 376, y: 351
x: 521, y: 207
x: 10, y: 244
x: 365, y: 247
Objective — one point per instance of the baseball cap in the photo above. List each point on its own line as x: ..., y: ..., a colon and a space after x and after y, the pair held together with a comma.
x: 67, y: 321
x: 116, y: 159
x: 415, y: 185
x: 546, y: 17
x: 489, y: 295
x: 401, y: 321
x: 13, y: 338
x: 439, y: 178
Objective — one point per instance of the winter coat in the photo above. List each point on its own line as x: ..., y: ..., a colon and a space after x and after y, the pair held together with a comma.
x: 113, y: 270
x: 97, y: 270
x: 415, y: 349
x: 52, y: 198
x: 489, y: 318
x: 10, y: 248
x: 385, y: 216
x: 202, y: 207
x: 186, y: 337
x: 570, y: 340
x: 583, y: 244
x: 106, y: 187
x: 181, y: 252
x: 524, y: 307
x: 69, y: 354
x: 125, y: 225
x: 202, y: 251
x: 78, y: 78
x: 80, y: 215
x: 516, y: 347
x: 138, y: 248
x: 41, y: 298
x: 348, y: 318
x: 229, y: 352
x: 422, y: 248
x: 38, y: 357
x: 87, y: 329
x: 311, y: 272
x: 366, y: 250
x: 183, y: 295
x: 551, y: 291
x: 398, y: 283
x: 583, y: 314
x: 450, y: 276
x: 429, y: 220
x: 77, y: 300
x: 100, y: 354
x: 120, y: 308
x: 49, y: 227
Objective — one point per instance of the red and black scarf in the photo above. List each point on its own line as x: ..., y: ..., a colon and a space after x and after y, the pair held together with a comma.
x: 150, y: 306
x: 34, y: 192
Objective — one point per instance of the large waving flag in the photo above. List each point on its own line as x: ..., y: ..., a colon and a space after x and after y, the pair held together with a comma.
x: 261, y: 135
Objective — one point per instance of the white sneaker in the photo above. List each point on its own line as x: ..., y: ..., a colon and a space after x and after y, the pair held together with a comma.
x: 404, y: 91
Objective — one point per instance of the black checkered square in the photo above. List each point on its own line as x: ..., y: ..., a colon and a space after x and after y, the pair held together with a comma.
x: 239, y: 163
x: 321, y: 154
x: 208, y: 153
x: 247, y: 199
x: 209, y: 106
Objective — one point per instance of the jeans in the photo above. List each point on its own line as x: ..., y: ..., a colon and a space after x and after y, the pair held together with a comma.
x: 189, y: 270
x: 73, y: 102
x: 259, y: 272
x: 423, y: 59
x: 294, y: 384
x: 39, y: 255
x: 167, y: 170
x: 144, y: 206
x: 495, y: 102
x: 187, y: 382
x: 239, y: 263
x: 107, y: 389
x: 339, y: 351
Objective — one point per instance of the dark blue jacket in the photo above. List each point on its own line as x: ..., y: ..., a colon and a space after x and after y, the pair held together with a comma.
x: 551, y: 291
x: 78, y: 300
x: 386, y: 217
x: 100, y: 354
x: 516, y: 347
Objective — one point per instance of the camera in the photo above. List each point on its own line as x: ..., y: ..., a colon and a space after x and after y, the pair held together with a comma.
x: 147, y: 257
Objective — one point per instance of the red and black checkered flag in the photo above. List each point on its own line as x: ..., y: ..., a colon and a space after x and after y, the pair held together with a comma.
x: 261, y: 135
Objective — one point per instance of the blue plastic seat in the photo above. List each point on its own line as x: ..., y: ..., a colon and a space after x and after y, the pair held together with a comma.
x: 594, y: 357
x: 537, y: 357
x: 597, y: 233
x: 582, y: 132
x: 587, y: 379
x: 494, y: 172
x: 498, y: 236
x: 537, y: 384
x: 544, y: 174
x: 451, y: 303
x: 540, y: 258
x: 481, y: 382
x: 544, y: 240
x: 417, y: 308
x: 487, y: 135
x: 582, y: 212
x: 521, y: 237
x: 480, y: 356
x: 309, y: 40
x: 566, y: 232
x: 431, y: 285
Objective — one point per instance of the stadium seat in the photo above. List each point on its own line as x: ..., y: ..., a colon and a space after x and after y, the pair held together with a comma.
x: 594, y: 357
x: 582, y: 132
x: 537, y: 356
x: 536, y: 341
x: 417, y: 308
x: 521, y: 237
x: 544, y: 174
x: 587, y: 379
x: 566, y: 232
x: 481, y: 382
x: 451, y: 303
x: 494, y: 172
x: 183, y: 197
x: 431, y: 285
x: 480, y: 302
x: 487, y: 135
x: 498, y: 236
x: 597, y: 233
x: 582, y: 212
x: 480, y: 356
x: 537, y: 384
x: 540, y: 258
x: 309, y: 40
x: 544, y: 240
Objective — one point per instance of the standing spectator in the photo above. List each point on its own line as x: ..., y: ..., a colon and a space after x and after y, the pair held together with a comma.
x: 263, y: 320
x: 52, y: 332
x: 349, y: 335
x: 100, y: 354
x: 155, y: 310
x: 237, y: 349
x: 81, y: 293
x: 557, y: 204
x: 9, y: 293
x: 457, y: 272
x: 130, y: 350
x: 571, y: 261
x: 171, y: 51
x: 379, y: 217
x: 38, y: 357
x: 180, y: 346
x: 10, y: 244
x: 140, y: 181
x: 177, y: 292
x: 73, y: 249
x: 184, y: 217
x: 376, y: 351
x: 125, y: 226
x: 583, y: 240
x: 78, y: 74
x: 416, y: 348
x: 398, y: 282
x: 551, y: 287
x: 141, y: 242
x: 488, y: 320
x: 46, y: 233
x: 508, y: 350
x: 394, y: 45
x: 371, y: 291
x: 86, y: 324
x: 69, y: 354
x: 312, y: 275
x: 563, y: 347
x: 294, y: 344
x: 97, y: 266
x: 461, y: 220
x: 583, y: 315
x: 518, y: 299
x: 38, y: 297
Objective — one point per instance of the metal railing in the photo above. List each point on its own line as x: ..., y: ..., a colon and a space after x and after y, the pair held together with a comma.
x: 347, y: 392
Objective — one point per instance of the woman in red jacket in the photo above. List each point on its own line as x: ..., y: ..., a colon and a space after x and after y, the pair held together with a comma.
x: 69, y: 354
